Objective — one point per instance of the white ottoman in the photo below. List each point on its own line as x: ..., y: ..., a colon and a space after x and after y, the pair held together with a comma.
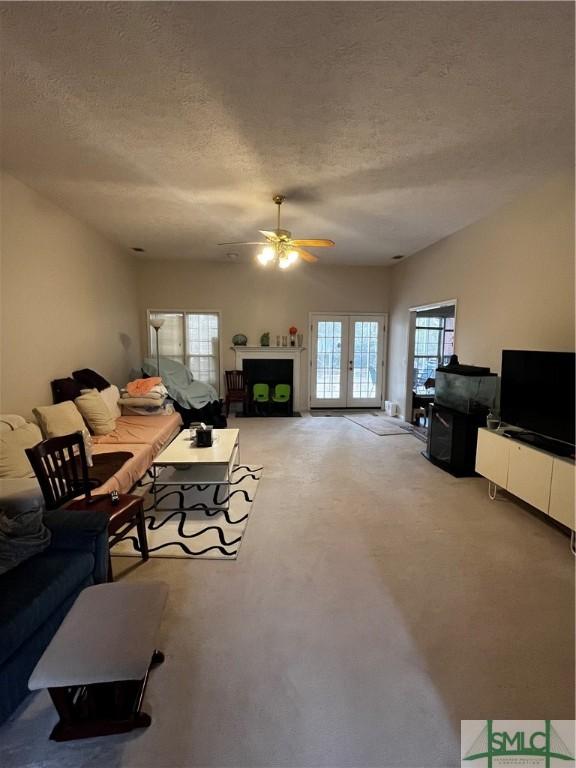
x: 96, y: 666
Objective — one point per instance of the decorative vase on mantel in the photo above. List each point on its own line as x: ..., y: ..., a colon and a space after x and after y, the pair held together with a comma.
x: 265, y: 339
x: 292, y: 331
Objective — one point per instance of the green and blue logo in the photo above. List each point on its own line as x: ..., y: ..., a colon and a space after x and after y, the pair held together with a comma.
x: 537, y: 741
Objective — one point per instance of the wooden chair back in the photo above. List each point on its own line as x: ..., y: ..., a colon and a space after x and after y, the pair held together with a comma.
x: 61, y: 469
x: 235, y: 382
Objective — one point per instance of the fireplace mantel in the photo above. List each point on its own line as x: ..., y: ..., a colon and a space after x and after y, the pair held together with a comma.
x: 267, y: 350
x: 271, y: 353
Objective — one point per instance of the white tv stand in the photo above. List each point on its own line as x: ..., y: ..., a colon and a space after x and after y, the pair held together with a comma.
x: 540, y: 478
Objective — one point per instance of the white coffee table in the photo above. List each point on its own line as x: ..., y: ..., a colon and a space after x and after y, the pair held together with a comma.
x: 184, y: 465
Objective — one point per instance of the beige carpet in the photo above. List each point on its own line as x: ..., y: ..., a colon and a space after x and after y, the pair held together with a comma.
x: 377, y: 601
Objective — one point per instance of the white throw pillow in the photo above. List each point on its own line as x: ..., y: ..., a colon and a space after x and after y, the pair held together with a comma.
x: 11, y: 421
x: 61, y: 419
x: 13, y: 460
x: 95, y: 412
x: 111, y: 395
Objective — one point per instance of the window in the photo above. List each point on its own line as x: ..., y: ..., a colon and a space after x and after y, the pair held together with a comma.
x: 433, y: 346
x: 365, y: 359
x: 328, y: 365
x: 191, y: 338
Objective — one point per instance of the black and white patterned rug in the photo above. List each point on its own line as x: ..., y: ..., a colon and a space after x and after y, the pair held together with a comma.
x: 202, y: 526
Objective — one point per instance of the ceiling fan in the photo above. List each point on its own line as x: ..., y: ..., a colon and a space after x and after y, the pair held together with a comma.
x: 281, y: 247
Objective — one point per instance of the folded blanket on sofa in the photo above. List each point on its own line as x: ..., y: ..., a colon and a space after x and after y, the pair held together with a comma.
x: 158, y: 392
x: 149, y: 396
x: 141, y: 387
x: 143, y: 402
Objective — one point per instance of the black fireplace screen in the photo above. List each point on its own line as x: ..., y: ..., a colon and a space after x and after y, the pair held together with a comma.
x: 271, y: 372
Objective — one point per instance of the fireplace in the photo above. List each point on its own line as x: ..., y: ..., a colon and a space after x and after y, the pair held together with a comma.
x: 270, y: 371
x: 247, y: 354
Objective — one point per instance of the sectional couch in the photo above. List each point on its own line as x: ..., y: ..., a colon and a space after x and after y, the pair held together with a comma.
x: 142, y: 436
x: 36, y: 594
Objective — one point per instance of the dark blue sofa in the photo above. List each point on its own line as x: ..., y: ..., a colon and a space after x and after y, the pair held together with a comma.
x: 36, y: 595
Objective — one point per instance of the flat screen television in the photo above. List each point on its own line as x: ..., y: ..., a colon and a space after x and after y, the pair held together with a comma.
x: 537, y: 392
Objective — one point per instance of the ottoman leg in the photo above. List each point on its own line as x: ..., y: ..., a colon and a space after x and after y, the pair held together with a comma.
x: 141, y: 528
x: 63, y: 700
x: 99, y: 709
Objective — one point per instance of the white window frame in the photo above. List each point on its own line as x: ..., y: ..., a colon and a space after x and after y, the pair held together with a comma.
x: 384, y: 362
x: 441, y: 359
x: 406, y: 405
x: 184, y: 312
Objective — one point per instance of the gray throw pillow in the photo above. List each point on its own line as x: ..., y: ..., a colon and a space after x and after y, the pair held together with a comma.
x: 22, y: 534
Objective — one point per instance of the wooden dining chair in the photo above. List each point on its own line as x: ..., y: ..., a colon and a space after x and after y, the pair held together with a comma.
x: 236, y: 391
x: 61, y: 469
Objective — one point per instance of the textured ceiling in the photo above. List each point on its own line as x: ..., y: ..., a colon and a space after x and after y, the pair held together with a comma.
x: 387, y: 125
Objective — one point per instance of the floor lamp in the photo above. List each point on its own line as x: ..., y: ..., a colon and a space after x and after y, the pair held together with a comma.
x: 157, y: 323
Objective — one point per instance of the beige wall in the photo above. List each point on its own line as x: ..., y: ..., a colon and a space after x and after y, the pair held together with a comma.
x: 68, y: 300
x: 512, y: 275
x: 71, y: 299
x: 253, y: 300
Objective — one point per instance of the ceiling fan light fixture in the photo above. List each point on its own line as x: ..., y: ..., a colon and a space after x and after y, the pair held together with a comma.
x: 266, y: 255
x: 281, y: 248
x: 293, y: 257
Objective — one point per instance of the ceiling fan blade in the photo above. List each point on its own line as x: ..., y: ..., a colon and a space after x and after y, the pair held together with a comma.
x: 250, y: 243
x: 315, y: 243
x: 268, y: 234
x: 307, y: 256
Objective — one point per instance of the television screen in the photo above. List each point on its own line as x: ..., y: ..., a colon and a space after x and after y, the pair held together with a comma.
x: 537, y: 392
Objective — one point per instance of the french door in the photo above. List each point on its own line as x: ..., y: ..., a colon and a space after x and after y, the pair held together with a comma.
x: 347, y: 361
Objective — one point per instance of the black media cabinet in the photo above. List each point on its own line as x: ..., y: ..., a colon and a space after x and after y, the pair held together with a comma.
x: 452, y: 438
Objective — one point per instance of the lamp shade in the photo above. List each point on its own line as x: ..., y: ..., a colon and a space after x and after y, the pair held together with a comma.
x: 157, y: 322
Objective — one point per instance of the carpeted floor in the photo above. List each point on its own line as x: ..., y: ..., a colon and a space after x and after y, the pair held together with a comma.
x: 376, y: 602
